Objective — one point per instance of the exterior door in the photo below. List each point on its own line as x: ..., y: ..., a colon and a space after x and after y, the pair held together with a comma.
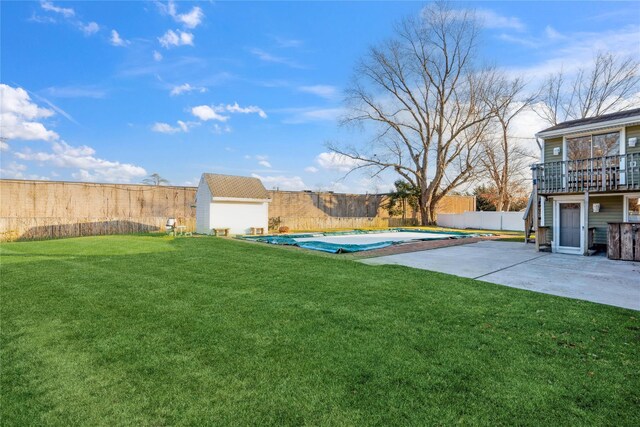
x: 569, y: 227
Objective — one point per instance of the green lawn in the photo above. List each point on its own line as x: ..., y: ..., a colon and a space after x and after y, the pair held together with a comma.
x: 146, y: 330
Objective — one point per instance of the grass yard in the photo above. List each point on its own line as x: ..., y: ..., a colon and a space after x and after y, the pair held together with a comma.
x: 146, y: 330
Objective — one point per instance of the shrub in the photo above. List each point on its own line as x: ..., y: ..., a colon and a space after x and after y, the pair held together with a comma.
x: 283, y: 229
x: 274, y: 222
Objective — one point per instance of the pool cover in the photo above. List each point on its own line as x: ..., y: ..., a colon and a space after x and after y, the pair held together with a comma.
x: 357, y: 240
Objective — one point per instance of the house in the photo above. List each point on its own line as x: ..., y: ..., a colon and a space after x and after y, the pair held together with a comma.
x: 588, y: 177
x: 237, y: 203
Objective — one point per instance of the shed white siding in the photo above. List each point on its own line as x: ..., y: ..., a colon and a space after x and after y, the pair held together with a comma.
x: 239, y: 217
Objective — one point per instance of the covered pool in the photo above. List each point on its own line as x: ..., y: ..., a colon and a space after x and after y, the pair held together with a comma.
x: 357, y: 240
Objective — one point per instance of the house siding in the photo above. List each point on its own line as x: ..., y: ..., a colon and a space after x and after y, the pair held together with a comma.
x: 611, y: 210
x: 611, y: 206
x: 548, y: 216
x: 549, y: 145
x: 633, y: 132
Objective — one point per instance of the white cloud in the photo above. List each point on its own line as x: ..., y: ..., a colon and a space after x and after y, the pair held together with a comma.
x: 20, y: 117
x: 324, y: 91
x: 552, y: 33
x: 4, y: 146
x: 56, y: 108
x: 235, y: 108
x: 49, y: 6
x: 157, y: 56
x: 116, y: 40
x: 282, y: 182
x: 164, y: 128
x: 17, y: 171
x: 205, y: 112
x: 69, y: 14
x: 523, y: 41
x: 268, y: 57
x: 187, y: 126
x: 571, y: 51
x: 41, y: 19
x: 186, y: 88
x: 306, y: 115
x: 75, y: 92
x: 526, y: 124
x: 190, y: 20
x: 179, y: 38
x: 83, y: 158
x: 335, y: 161
x: 263, y: 161
x: 221, y: 129
x: 13, y: 170
x: 89, y: 29
x: 491, y: 19
x: 311, y: 169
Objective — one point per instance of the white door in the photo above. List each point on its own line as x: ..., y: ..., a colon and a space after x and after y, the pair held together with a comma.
x: 569, y: 227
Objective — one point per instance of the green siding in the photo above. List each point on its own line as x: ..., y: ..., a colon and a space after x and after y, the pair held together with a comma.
x: 633, y: 131
x: 548, y: 216
x: 610, y: 211
x: 549, y: 145
x: 633, y: 173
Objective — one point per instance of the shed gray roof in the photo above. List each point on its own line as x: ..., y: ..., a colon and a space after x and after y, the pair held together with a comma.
x: 237, y: 187
x: 594, y: 120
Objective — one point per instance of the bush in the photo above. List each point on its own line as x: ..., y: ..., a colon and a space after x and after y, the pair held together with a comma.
x: 283, y: 229
x: 274, y: 222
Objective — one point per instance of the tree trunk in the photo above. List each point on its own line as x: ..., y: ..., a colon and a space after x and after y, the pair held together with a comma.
x: 427, y: 211
x: 425, y: 203
x: 424, y: 214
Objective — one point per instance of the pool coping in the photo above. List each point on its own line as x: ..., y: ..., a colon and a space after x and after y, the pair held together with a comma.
x: 420, y: 245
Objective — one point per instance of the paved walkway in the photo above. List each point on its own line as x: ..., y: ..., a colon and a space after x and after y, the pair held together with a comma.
x: 517, y: 265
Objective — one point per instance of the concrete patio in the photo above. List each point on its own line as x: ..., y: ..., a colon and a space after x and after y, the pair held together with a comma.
x: 517, y: 265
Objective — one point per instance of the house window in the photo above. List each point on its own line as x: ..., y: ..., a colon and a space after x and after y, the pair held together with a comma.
x: 632, y: 207
x: 585, y: 147
x: 579, y: 148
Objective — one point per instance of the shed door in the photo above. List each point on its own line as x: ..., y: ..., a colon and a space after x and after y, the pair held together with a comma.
x: 570, y: 225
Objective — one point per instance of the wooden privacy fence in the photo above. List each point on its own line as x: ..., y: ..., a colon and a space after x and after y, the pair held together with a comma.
x: 46, y: 209
x: 52, y: 228
x: 50, y: 209
x: 623, y: 241
x: 323, y: 223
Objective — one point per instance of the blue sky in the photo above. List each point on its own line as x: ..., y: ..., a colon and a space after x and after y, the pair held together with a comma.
x: 114, y: 91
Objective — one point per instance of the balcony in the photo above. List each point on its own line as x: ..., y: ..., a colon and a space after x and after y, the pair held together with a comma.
x: 595, y: 175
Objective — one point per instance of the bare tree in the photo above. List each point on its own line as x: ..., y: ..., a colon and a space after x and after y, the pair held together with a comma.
x: 598, y: 89
x: 505, y: 159
x: 426, y: 102
x: 155, y: 179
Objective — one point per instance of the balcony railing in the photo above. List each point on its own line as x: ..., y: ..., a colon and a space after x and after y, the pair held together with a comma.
x: 599, y: 174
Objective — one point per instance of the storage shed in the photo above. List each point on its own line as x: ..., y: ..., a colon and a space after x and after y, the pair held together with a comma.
x: 237, y: 203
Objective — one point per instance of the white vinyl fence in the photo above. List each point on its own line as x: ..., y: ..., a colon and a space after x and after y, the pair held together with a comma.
x: 511, y: 221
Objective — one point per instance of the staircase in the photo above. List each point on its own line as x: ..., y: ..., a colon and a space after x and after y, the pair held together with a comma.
x: 530, y: 219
